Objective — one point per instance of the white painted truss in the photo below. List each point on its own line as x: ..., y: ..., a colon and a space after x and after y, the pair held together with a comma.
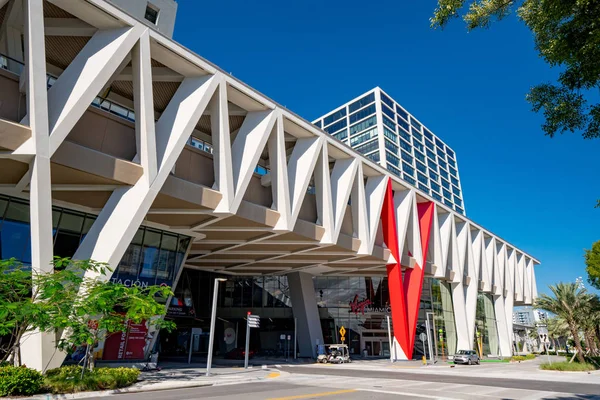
x: 344, y: 235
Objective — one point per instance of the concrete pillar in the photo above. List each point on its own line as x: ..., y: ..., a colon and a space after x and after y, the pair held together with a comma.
x: 304, y: 306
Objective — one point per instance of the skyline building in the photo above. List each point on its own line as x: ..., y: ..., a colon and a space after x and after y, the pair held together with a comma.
x: 377, y: 126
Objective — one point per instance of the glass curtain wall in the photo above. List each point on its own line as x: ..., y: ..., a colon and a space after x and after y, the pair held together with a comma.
x: 486, y: 338
x: 445, y: 328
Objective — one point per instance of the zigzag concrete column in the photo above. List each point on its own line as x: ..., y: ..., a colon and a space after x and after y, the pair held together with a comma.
x: 304, y: 306
x: 37, y: 348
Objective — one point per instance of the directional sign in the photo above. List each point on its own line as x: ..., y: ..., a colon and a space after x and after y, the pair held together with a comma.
x: 342, y: 331
x: 254, y: 321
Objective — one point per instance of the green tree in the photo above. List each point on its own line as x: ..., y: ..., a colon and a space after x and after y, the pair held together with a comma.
x: 567, y: 35
x: 592, y: 262
x: 557, y: 329
x: 83, y: 310
x: 569, y: 302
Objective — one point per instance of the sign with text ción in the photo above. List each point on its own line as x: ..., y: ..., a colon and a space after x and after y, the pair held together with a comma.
x: 254, y: 321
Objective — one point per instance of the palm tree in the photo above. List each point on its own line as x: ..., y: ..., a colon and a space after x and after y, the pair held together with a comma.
x: 569, y: 302
x: 557, y: 329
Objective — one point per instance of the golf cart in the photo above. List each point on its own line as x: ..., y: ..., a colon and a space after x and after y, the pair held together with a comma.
x: 337, y: 354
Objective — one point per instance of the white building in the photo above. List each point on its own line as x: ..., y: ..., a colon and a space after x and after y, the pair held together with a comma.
x: 380, y: 128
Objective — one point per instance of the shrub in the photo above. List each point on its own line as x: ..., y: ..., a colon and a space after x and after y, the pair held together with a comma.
x: 23, y: 381
x: 530, y: 356
x: 517, y: 358
x: 566, y: 366
x: 68, y: 379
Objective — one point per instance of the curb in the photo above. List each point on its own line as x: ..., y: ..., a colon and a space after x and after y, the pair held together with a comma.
x: 137, y: 388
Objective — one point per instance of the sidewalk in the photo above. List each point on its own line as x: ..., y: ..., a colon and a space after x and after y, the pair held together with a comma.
x: 173, y: 377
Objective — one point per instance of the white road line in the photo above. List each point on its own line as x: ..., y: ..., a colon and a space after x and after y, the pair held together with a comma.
x: 425, y: 396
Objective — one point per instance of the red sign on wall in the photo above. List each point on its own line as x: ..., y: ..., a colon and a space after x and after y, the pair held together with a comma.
x: 127, y: 345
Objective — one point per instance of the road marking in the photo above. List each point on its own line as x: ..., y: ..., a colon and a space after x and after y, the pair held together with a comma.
x: 273, y: 375
x: 307, y: 396
x: 425, y: 396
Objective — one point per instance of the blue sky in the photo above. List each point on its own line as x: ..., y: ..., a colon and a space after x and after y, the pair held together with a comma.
x: 468, y: 88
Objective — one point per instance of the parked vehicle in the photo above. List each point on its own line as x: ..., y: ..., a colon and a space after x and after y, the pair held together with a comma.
x: 469, y: 357
x: 336, y: 354
x: 239, y: 354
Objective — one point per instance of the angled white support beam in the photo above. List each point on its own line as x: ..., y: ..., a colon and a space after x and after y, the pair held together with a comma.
x: 125, y: 210
x: 144, y: 107
x: 300, y: 168
x: 279, y: 177
x: 245, y: 152
x: 472, y: 264
x: 374, y: 194
x: 68, y: 27
x: 435, y: 247
x: 84, y: 78
x: 323, y: 196
x: 358, y: 207
x: 342, y: 179
x: 445, y: 230
x: 159, y: 74
x: 221, y: 142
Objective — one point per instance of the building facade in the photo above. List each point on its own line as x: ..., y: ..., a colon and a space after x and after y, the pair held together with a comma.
x: 157, y: 162
x: 377, y: 126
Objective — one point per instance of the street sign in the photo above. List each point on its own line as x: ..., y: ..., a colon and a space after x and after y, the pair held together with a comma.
x: 253, y: 321
x: 282, y: 337
x: 342, y: 331
x: 343, y: 338
x: 423, y: 337
x: 289, y: 337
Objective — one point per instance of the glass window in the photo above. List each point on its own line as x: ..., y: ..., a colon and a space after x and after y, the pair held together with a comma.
x: 403, y: 124
x: 446, y: 184
x: 363, y: 137
x: 430, y: 154
x: 151, y: 13
x: 334, y: 117
x: 362, y: 102
x: 440, y: 152
x: 432, y: 165
x: 387, y: 101
x: 423, y: 187
x: 391, y: 146
x: 393, y: 159
x: 420, y: 156
x: 415, y: 124
x: 429, y: 145
x: 421, y: 167
x: 336, y: 126
x: 442, y: 163
x: 439, y: 143
x: 418, y: 145
x: 167, y: 261
x: 373, y: 156
x: 401, y: 112
x: 433, y: 175
x: 444, y: 174
x: 460, y: 210
x: 427, y: 133
x: 405, y: 145
x: 456, y: 190
x: 452, y: 162
x: 388, y: 112
x: 393, y: 169
x: 68, y: 235
x: 390, y: 135
x: 361, y: 126
x: 16, y: 237
x: 409, y: 179
x: 448, y: 203
x: 422, y: 178
x: 434, y: 186
x: 457, y: 201
x: 150, y: 253
x: 389, y: 123
x: 408, y: 169
x: 452, y: 171
x: 450, y: 152
x: 416, y: 134
x: 365, y: 112
x: 454, y: 181
x: 317, y: 124
x: 447, y: 194
x: 436, y: 196
x: 341, y: 135
x: 367, y: 147
x: 406, y: 157
x: 405, y: 135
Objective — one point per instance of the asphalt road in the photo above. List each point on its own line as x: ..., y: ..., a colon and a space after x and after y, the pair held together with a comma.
x: 546, y: 386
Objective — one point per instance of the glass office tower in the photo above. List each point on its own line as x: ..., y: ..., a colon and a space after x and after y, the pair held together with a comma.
x: 378, y: 127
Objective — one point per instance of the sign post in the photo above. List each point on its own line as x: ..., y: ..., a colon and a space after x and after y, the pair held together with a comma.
x: 342, y: 334
x: 429, y: 341
x: 252, y: 321
x: 390, y: 338
x: 423, y: 338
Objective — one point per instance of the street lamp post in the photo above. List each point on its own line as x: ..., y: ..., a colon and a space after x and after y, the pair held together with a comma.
x: 211, y: 338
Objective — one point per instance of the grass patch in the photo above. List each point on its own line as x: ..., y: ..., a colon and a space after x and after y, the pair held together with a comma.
x: 495, y: 360
x: 68, y: 379
x: 566, y: 366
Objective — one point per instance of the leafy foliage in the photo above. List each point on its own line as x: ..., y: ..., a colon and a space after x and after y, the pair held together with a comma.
x: 566, y: 34
x: 69, y: 379
x: 74, y: 301
x: 592, y: 262
x: 566, y: 366
x: 19, y: 381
